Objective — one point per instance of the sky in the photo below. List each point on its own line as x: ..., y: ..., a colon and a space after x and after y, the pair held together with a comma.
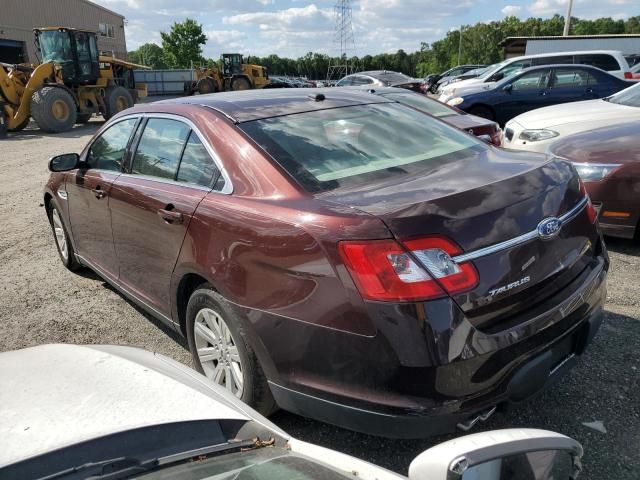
x: 291, y: 28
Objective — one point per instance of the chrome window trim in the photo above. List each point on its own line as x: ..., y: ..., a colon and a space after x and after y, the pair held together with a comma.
x: 228, y: 186
x: 524, y: 238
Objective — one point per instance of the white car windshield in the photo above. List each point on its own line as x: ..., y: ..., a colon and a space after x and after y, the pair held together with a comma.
x: 629, y: 97
x: 493, y: 69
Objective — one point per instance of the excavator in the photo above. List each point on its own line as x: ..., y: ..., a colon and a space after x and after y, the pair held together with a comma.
x: 235, y: 75
x: 73, y: 82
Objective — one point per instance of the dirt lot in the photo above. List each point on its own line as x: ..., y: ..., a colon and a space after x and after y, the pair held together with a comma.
x: 41, y: 302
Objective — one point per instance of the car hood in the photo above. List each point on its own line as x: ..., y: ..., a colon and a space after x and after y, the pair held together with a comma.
x: 55, y: 396
x: 463, y: 84
x: 578, y: 112
x: 618, y: 143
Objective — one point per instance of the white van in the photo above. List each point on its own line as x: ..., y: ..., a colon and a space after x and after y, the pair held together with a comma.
x: 611, y: 61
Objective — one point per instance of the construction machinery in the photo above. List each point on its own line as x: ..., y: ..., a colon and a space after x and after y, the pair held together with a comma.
x: 235, y: 75
x: 73, y: 82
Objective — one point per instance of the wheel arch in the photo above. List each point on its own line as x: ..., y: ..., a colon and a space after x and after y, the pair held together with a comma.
x: 482, y: 105
x: 189, y: 282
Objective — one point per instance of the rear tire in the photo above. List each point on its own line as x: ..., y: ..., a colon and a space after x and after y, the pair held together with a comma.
x: 481, y: 111
x: 240, y: 83
x: 206, y: 85
x: 63, y: 245
x: 220, y: 349
x: 116, y: 99
x: 53, y: 109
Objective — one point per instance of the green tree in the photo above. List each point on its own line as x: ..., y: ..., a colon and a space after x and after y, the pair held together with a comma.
x: 150, y: 55
x: 182, y: 46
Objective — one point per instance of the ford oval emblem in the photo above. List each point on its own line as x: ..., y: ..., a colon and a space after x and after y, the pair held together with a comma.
x: 549, y: 228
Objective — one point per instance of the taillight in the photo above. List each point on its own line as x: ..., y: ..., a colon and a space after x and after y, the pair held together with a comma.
x: 385, y: 271
x: 628, y: 75
x: 592, y: 213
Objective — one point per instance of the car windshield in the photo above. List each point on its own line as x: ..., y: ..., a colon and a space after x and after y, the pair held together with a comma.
x: 422, y: 103
x: 264, y: 464
x: 491, y: 69
x: 477, y: 71
x: 629, y: 97
x: 341, y: 147
x: 392, y: 77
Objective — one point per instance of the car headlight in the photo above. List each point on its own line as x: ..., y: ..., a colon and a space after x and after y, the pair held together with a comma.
x: 592, y: 172
x: 537, y: 135
x: 455, y: 101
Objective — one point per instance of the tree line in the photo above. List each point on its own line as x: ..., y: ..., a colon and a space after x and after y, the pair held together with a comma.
x: 182, y: 48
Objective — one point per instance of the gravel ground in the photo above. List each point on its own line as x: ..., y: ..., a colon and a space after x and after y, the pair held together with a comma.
x: 41, y: 302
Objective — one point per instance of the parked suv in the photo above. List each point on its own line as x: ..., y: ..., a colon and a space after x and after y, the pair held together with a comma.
x: 608, y: 60
x: 338, y: 254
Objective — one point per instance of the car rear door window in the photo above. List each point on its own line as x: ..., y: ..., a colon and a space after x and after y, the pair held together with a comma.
x: 107, y: 151
x: 160, y: 148
x: 599, y: 60
x: 532, y: 80
x: 568, y: 77
x: 197, y: 166
x: 360, y: 80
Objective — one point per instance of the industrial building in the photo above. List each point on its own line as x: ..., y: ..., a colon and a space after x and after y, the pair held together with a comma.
x: 628, y: 44
x: 18, y: 18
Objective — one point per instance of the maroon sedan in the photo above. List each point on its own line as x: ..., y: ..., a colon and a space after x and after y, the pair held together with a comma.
x: 487, y: 130
x: 338, y: 254
x: 608, y: 160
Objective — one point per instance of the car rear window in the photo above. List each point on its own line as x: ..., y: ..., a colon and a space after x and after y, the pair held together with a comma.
x: 422, y: 103
x: 341, y: 147
x: 392, y: 77
x: 599, y: 60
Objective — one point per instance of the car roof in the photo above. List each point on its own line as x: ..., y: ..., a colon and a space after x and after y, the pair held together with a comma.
x: 378, y: 90
x: 54, y: 396
x: 248, y: 105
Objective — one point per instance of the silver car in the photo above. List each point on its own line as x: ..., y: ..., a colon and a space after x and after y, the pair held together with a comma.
x: 109, y: 412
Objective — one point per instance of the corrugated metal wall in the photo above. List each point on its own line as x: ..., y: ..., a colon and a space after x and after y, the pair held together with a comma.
x: 627, y: 46
x: 19, y: 17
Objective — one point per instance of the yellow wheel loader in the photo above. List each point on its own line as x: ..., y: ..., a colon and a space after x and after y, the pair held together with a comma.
x: 72, y: 83
x: 235, y: 75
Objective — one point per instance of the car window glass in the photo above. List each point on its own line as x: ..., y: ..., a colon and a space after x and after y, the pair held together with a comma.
x: 359, y: 80
x: 600, y: 60
x: 566, y: 77
x: 532, y: 80
x: 160, y: 147
x: 512, y: 69
x: 346, y: 81
x: 196, y: 166
x: 107, y: 151
x: 557, y: 60
x: 628, y: 96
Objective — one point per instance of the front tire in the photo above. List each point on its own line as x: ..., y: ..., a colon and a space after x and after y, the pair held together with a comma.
x: 53, y: 109
x: 220, y: 350
x: 65, y: 249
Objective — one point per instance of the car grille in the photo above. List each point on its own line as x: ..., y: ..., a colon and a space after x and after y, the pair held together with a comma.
x: 508, y: 133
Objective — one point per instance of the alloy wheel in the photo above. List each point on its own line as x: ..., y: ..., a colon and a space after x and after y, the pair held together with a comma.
x: 61, y: 238
x: 217, y: 351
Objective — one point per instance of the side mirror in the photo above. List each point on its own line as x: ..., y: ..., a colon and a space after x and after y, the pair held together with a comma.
x: 527, y: 454
x: 64, y: 162
x: 507, y: 88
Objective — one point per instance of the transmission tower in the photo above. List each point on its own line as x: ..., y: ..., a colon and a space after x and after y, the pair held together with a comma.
x: 343, y: 41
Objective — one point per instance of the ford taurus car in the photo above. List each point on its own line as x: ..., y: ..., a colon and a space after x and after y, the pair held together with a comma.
x: 109, y: 412
x: 337, y: 254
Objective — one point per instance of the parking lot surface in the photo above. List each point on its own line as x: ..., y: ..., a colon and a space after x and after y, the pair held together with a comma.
x: 42, y: 302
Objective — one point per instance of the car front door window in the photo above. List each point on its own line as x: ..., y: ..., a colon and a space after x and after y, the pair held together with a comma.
x: 107, y: 151
x: 537, y: 80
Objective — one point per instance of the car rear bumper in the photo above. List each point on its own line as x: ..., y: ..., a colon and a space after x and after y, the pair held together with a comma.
x: 428, y: 368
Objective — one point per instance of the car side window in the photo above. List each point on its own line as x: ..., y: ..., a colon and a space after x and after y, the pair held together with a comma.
x: 511, y: 69
x: 197, y: 166
x: 345, y: 82
x: 532, y: 80
x: 160, y: 148
x: 555, y: 60
x: 599, y: 60
x: 567, y: 77
x: 107, y: 151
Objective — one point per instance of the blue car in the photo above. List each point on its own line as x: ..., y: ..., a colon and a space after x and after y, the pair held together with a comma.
x: 538, y: 87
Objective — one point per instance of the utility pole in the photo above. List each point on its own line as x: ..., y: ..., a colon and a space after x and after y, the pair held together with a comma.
x: 567, y: 19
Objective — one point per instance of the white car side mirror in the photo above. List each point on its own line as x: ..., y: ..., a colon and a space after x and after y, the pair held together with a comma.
x: 511, y: 454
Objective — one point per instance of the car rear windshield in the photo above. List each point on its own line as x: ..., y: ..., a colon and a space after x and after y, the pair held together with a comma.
x: 343, y: 147
x: 392, y: 77
x: 422, y: 103
x: 628, y: 96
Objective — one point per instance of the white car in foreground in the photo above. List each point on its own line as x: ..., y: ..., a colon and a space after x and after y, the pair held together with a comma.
x: 538, y: 129
x: 71, y: 412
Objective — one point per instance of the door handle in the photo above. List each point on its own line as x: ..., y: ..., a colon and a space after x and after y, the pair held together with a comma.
x: 170, y: 216
x: 589, y: 90
x: 98, y: 192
